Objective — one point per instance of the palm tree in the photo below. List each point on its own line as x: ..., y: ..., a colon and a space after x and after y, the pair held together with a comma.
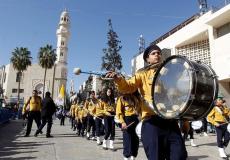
x: 46, y: 57
x: 21, y: 59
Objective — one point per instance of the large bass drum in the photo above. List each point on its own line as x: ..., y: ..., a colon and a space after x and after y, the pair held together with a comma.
x: 184, y: 89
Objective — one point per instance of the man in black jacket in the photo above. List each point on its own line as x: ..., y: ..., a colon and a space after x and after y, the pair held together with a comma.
x: 48, y: 109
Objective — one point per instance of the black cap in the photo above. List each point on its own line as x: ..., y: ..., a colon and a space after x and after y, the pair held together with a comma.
x: 149, y: 49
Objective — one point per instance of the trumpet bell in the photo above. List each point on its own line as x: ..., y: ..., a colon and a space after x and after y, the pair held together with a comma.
x: 77, y: 71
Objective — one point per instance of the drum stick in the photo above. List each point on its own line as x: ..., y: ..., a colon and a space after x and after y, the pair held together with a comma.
x: 130, y: 124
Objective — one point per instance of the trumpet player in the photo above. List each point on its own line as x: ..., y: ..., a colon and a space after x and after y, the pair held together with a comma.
x: 161, y: 138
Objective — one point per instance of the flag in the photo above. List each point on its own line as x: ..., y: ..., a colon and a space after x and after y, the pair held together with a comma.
x: 60, y: 99
x: 62, y: 92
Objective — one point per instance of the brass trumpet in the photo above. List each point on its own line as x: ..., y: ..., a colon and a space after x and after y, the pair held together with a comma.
x: 78, y: 71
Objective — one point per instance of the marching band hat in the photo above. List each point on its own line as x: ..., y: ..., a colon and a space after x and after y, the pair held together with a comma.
x: 149, y: 49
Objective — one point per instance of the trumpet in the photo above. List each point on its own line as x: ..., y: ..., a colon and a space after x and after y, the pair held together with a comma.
x: 78, y: 71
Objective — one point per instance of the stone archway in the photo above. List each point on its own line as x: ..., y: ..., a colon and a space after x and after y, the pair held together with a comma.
x: 39, y: 88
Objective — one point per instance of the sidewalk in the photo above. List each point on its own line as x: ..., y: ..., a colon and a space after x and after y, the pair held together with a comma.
x: 65, y: 145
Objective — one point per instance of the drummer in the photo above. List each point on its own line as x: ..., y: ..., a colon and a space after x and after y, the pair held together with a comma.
x: 126, y: 111
x: 219, y: 117
x: 161, y: 138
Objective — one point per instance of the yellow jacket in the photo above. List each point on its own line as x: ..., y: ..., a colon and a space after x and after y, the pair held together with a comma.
x: 99, y: 108
x: 35, y: 104
x: 75, y: 111
x: 108, y: 109
x: 81, y: 113
x: 218, y: 116
x: 72, y: 110
x: 95, y: 108
x: 127, y: 105
x: 143, y: 81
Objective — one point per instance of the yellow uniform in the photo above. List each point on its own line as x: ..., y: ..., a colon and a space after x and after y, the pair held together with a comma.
x: 81, y: 113
x: 72, y: 110
x: 76, y: 112
x: 142, y: 81
x: 109, y: 109
x: 89, y: 105
x: 219, y: 115
x: 34, y: 103
x: 127, y: 105
x: 98, y: 111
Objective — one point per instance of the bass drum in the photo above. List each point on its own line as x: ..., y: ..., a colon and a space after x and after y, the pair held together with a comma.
x: 184, y: 89
x: 196, y: 125
x: 138, y: 129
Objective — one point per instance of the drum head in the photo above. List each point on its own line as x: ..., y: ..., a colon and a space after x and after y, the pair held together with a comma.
x: 197, y: 125
x: 228, y: 128
x: 172, y: 87
x: 138, y: 129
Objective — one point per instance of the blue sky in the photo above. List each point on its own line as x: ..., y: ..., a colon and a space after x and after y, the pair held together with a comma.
x: 33, y: 24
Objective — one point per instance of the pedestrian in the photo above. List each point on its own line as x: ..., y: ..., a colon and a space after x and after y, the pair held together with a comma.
x: 219, y: 117
x: 48, y: 109
x: 33, y: 106
x: 62, y: 116
x: 161, y: 138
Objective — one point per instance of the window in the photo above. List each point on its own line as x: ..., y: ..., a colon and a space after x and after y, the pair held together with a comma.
x: 222, y: 30
x: 198, y: 51
x: 61, y: 54
x: 21, y: 90
x: 14, y: 90
x: 62, y: 43
x: 18, y: 76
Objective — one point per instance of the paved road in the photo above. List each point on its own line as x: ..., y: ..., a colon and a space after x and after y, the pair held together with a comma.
x: 67, y: 146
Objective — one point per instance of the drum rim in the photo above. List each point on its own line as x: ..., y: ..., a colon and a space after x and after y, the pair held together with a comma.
x: 192, y: 91
x: 216, y: 86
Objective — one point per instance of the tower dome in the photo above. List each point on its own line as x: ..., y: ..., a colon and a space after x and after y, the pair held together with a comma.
x: 64, y: 19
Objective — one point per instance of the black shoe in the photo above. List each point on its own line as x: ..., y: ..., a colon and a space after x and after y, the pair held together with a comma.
x: 49, y: 136
x: 35, y: 135
x: 41, y: 132
x: 26, y: 135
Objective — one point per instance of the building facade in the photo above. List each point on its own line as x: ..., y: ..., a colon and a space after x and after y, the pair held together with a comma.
x: 203, y: 38
x: 32, y: 78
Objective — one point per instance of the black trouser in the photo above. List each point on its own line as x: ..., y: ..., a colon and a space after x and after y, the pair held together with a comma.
x: 222, y: 132
x: 109, y: 127
x: 72, y: 122
x: 91, y: 123
x: 49, y: 121
x: 190, y: 132
x: 205, y: 125
x: 62, y: 120
x: 130, y: 138
x: 99, y: 126
x: 162, y: 139
x: 33, y: 115
x: 81, y: 126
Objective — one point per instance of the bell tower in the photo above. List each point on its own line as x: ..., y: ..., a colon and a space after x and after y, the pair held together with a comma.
x: 63, y: 35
